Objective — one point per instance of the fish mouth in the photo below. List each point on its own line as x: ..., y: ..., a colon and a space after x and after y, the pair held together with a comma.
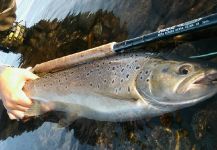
x: 206, y: 79
x: 197, y: 79
x: 203, y: 80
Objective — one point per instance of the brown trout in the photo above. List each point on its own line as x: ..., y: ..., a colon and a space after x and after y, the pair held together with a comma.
x: 123, y: 87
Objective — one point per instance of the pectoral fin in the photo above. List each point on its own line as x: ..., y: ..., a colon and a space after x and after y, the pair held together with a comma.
x: 34, y: 110
x: 37, y: 109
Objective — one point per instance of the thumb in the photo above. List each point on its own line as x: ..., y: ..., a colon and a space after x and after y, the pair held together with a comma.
x: 29, y: 68
x: 28, y: 75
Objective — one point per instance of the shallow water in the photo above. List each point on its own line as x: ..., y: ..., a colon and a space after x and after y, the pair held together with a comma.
x: 55, y: 28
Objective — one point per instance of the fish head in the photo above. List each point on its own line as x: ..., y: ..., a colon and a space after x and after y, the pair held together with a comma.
x: 176, y: 84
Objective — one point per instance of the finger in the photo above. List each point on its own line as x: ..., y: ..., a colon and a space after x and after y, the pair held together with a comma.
x: 18, y: 114
x: 14, y: 106
x: 28, y: 68
x: 11, y: 116
x: 23, y: 100
x: 19, y: 107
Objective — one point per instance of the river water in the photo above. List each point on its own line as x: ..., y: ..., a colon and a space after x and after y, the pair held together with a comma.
x: 54, y: 28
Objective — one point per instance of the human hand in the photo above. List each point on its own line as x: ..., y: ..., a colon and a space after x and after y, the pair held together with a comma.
x: 14, y: 99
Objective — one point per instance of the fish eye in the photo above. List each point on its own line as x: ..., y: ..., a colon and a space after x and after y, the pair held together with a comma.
x: 184, y: 69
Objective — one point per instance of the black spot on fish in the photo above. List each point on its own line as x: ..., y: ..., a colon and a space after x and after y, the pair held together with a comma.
x: 122, y: 70
x: 136, y: 61
x: 88, y: 74
x: 165, y: 70
x: 110, y: 62
x: 128, y: 88
x: 147, y: 80
x: 113, y: 81
x: 146, y: 72
x: 105, y: 80
x: 127, y: 75
x: 98, y: 86
x: 141, y: 77
x: 122, y: 80
x: 119, y: 88
x: 137, y: 67
x: 72, y: 72
x: 91, y: 84
x: 113, y: 68
x: 97, y: 66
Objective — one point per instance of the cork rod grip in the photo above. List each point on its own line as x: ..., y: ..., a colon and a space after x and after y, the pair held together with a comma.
x: 75, y: 59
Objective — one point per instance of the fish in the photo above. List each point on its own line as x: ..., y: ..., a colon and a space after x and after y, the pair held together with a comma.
x: 123, y: 87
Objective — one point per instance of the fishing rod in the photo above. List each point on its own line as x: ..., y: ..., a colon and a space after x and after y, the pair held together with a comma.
x: 114, y: 47
x: 190, y: 26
